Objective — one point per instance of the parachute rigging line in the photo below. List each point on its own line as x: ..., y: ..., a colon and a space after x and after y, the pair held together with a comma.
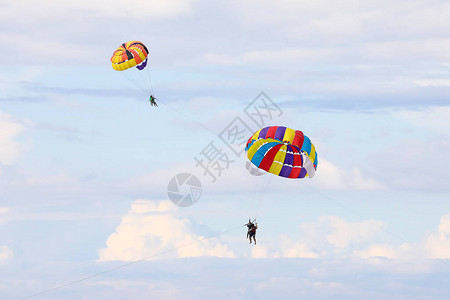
x: 130, y: 263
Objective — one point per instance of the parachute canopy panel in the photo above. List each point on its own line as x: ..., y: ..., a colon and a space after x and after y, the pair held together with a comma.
x: 282, y: 151
x: 128, y: 55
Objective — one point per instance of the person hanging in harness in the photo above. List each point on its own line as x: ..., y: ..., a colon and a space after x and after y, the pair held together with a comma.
x: 152, y: 100
x: 251, y: 232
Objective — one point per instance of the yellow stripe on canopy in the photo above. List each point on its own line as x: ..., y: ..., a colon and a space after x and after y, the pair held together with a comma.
x: 141, y: 54
x: 312, y: 155
x: 252, y: 150
x: 278, y: 161
x: 289, y: 135
x: 125, y: 65
x: 256, y: 134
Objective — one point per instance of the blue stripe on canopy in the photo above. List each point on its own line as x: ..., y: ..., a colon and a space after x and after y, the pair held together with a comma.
x: 306, y: 145
x: 259, y: 154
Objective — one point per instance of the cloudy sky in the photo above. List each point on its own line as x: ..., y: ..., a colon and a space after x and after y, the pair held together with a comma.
x: 85, y: 162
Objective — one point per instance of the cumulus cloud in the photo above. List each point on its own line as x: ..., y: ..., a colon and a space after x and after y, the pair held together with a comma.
x: 6, y: 254
x: 331, y: 177
x: 288, y: 248
x: 403, y: 251
x: 151, y: 228
x: 328, y: 236
x: 10, y: 149
x: 293, y: 248
x: 333, y: 236
x: 437, y: 244
x: 3, y: 210
x: 344, y: 233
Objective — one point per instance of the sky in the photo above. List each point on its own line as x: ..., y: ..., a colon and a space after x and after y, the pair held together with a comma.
x: 85, y: 161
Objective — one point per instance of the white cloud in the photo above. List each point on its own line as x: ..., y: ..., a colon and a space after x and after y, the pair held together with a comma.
x: 380, y: 250
x: 332, y: 236
x: 10, y: 149
x: 52, y: 51
x: 230, y: 180
x: 57, y: 10
x: 223, y: 279
x: 297, y: 55
x: 408, y: 51
x: 444, y: 225
x: 434, y: 119
x: 375, y: 52
x: 420, y: 159
x: 376, y: 253
x: 438, y: 244
x: 6, y: 254
x: 414, y: 164
x: 293, y: 248
x: 64, y: 31
x: 435, y: 245
x: 366, y: 31
x: 331, y: 177
x: 345, y: 233
x: 3, y: 210
x: 288, y: 248
x: 328, y: 236
x: 150, y: 229
x: 432, y: 82
x: 348, y: 18
x: 260, y: 252
x: 236, y: 179
x: 316, y: 31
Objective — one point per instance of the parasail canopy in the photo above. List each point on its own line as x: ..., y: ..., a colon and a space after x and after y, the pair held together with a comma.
x: 128, y: 55
x: 282, y: 151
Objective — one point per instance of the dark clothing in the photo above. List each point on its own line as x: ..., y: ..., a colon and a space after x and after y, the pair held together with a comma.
x: 251, y: 232
x: 251, y: 229
x: 152, y: 101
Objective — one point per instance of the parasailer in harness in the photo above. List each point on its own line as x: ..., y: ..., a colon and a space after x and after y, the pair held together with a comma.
x: 251, y: 230
x: 128, y: 58
x: 152, y: 100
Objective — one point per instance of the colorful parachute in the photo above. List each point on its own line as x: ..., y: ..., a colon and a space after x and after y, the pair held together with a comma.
x: 281, y: 151
x: 128, y: 55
